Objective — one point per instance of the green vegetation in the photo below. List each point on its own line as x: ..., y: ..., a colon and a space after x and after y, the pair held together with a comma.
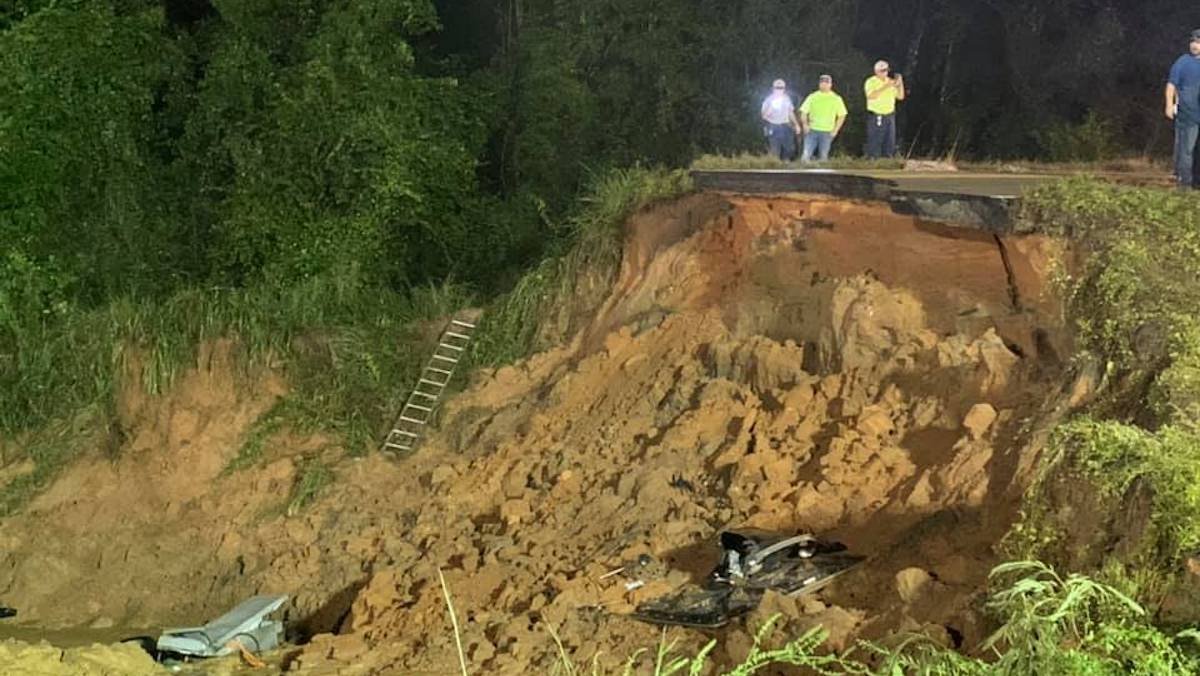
x: 549, y: 302
x: 747, y: 161
x: 314, y: 476
x: 314, y: 180
x: 1047, y: 624
x: 1132, y: 297
x: 349, y: 349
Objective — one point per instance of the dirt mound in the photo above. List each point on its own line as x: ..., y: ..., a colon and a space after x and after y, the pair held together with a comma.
x: 785, y: 363
x: 23, y: 659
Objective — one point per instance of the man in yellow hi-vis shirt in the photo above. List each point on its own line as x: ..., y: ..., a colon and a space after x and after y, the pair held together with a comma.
x: 883, y: 91
x: 822, y: 115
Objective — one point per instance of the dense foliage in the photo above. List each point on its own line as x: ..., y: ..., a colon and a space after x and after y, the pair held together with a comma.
x: 1133, y: 299
x: 314, y: 176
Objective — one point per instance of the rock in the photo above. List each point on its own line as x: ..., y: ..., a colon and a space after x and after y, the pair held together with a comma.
x: 483, y: 651
x: 514, y: 482
x: 875, y: 422
x: 979, y: 419
x: 998, y: 359
x: 911, y: 583
x: 922, y: 493
x: 348, y: 647
x: 811, y: 605
x: 443, y: 474
x: 514, y: 512
x: 102, y: 623
x: 841, y: 625
x: 774, y: 603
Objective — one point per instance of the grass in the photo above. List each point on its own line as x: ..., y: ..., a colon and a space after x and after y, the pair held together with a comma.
x: 1135, y: 167
x: 803, y: 652
x: 1047, y: 623
x: 314, y: 477
x: 349, y: 350
x: 1133, y: 299
x: 551, y: 301
x: 749, y: 161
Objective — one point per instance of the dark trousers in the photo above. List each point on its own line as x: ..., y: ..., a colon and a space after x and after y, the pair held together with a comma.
x: 1186, y: 135
x: 781, y: 139
x: 881, y: 135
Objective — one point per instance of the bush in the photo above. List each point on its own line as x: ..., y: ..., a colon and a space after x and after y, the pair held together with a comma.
x: 78, y: 178
x: 1133, y: 298
x: 1092, y: 140
x: 1132, y: 295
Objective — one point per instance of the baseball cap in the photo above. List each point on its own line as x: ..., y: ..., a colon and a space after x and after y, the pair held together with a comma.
x: 882, y: 65
x: 780, y: 84
x: 825, y: 78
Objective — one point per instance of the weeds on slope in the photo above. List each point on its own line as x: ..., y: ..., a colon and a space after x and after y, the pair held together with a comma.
x: 348, y: 348
x: 1048, y: 624
x: 548, y: 302
x: 1133, y: 297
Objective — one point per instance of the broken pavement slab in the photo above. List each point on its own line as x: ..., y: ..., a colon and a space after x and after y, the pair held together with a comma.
x: 245, y: 627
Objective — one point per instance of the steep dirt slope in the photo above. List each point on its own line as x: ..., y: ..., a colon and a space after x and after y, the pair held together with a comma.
x: 788, y: 363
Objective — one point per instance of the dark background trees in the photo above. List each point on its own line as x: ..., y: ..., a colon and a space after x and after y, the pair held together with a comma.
x: 149, y: 145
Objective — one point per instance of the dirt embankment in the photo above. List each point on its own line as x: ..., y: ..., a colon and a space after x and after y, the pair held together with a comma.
x: 786, y: 363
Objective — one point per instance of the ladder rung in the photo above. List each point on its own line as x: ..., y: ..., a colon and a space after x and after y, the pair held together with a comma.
x: 462, y: 324
x: 431, y: 382
x: 448, y: 346
x: 419, y: 408
x: 412, y: 420
x: 398, y: 446
x: 441, y: 371
x: 452, y: 334
x: 441, y: 358
x: 426, y: 395
x: 406, y: 433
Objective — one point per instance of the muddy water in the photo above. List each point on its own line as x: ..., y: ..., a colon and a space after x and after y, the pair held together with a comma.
x: 70, y: 638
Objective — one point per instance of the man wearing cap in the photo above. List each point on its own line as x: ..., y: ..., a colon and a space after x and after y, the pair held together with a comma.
x: 779, y: 113
x: 1183, y: 106
x: 882, y: 92
x: 821, y: 115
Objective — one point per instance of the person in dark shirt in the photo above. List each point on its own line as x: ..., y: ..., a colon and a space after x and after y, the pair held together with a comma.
x: 1183, y: 106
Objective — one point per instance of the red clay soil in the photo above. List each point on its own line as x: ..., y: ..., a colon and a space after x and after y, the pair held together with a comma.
x: 791, y: 362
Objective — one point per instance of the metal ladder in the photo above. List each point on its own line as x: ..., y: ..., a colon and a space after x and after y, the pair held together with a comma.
x: 409, y: 426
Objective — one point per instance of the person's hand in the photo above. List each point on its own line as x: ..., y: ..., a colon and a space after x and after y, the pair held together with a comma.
x: 1171, y: 112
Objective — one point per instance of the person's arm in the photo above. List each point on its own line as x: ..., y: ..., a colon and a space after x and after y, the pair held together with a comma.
x: 837, y: 125
x: 796, y: 122
x: 1172, y: 93
x: 899, y: 84
x: 805, y: 118
x: 765, y: 105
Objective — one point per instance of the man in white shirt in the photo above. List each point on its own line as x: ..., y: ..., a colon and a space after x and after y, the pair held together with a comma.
x: 779, y: 112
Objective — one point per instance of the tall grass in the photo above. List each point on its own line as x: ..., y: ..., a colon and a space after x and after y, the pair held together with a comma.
x: 548, y: 302
x: 349, y: 350
x: 1046, y: 624
x: 1134, y: 302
